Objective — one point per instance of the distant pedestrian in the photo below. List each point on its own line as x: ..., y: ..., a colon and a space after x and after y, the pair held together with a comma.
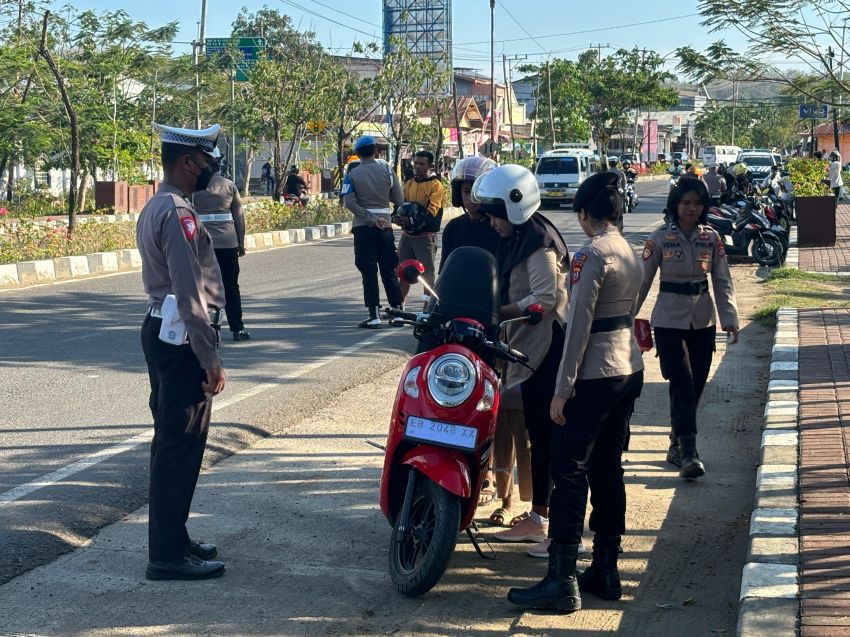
x: 267, y: 177
x: 219, y: 208
x: 715, y: 184
x: 180, y: 341
x: 834, y: 175
x: 368, y: 193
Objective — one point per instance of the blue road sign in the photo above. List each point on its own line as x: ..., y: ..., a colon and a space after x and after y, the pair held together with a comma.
x: 814, y: 111
x: 250, y: 48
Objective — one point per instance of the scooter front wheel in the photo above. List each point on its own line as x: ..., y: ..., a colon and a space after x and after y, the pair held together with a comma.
x: 768, y: 251
x: 419, y: 558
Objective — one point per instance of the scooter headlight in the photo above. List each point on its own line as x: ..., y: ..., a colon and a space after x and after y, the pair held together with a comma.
x: 451, y: 379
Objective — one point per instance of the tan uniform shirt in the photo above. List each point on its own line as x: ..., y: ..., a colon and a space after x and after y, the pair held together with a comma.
x: 538, y: 279
x: 685, y: 259
x: 221, y: 199
x: 605, y: 279
x: 178, y: 258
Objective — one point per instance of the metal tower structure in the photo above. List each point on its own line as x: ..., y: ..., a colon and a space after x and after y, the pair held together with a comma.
x: 424, y: 25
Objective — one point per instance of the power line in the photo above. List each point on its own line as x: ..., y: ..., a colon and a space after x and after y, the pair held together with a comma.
x: 324, y: 17
x: 619, y: 26
x: 347, y: 15
x: 524, y: 30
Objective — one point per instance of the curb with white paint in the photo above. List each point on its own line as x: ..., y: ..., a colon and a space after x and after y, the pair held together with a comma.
x: 769, y: 582
x: 77, y: 267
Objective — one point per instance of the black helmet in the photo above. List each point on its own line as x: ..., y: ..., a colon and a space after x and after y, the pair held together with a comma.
x: 293, y: 169
x: 627, y: 162
x: 677, y: 162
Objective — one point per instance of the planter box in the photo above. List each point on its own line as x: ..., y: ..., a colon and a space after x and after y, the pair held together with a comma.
x: 111, y: 194
x: 138, y: 196
x: 815, y: 221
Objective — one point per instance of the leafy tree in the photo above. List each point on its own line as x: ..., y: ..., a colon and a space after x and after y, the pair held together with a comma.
x: 570, y: 101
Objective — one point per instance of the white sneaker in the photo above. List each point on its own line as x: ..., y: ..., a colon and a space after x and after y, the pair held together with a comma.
x: 371, y: 323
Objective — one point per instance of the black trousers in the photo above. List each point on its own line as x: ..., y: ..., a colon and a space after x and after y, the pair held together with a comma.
x: 181, y: 415
x: 685, y: 357
x: 588, y: 452
x: 374, y: 250
x: 228, y: 263
x: 537, y: 393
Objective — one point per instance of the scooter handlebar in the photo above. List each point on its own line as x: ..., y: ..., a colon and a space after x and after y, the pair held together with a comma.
x: 407, y: 316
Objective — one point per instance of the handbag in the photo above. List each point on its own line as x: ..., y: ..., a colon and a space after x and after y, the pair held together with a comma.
x: 643, y: 334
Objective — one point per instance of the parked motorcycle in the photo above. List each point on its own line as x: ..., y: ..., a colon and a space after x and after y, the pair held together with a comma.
x: 747, y: 232
x: 444, y: 417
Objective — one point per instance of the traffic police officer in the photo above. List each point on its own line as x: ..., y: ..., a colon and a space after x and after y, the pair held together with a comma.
x: 178, y: 259
x: 599, y: 379
x: 219, y: 208
x: 686, y: 251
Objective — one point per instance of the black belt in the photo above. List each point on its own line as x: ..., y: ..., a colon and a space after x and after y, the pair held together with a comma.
x: 610, y: 324
x: 213, y: 313
x: 693, y: 288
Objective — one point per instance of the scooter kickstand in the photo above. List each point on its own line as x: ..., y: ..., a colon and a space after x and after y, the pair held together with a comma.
x: 476, y: 539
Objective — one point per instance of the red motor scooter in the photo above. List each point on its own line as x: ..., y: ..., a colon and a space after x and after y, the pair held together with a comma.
x: 444, y: 418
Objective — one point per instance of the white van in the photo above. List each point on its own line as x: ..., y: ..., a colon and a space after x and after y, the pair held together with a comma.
x: 559, y: 173
x: 714, y: 155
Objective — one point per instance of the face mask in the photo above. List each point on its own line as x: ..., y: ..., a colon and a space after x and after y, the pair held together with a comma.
x: 204, y: 177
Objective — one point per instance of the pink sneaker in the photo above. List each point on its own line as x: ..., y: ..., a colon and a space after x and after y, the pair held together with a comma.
x: 526, y: 530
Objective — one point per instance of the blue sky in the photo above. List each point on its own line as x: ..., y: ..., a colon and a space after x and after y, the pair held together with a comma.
x: 612, y: 23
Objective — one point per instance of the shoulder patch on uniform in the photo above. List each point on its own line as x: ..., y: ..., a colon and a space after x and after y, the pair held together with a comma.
x: 648, y: 249
x: 190, y: 227
x: 721, y: 247
x: 575, y: 270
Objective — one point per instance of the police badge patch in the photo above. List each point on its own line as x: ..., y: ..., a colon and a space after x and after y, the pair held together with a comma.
x: 578, y: 263
x: 705, y: 260
x: 190, y: 228
x: 648, y: 250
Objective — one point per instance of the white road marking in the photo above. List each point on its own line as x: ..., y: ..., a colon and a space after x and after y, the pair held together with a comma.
x: 131, y: 443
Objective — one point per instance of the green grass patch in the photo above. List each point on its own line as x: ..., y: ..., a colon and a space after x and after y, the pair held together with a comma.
x: 786, y: 287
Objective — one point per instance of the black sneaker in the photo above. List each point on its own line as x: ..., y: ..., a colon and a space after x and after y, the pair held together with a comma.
x: 241, y: 335
x: 202, y: 550
x: 186, y: 568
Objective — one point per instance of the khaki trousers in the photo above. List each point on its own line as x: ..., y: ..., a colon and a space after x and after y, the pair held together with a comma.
x: 511, y: 445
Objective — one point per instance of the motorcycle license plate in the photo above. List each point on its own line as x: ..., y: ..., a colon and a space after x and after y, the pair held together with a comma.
x: 443, y: 433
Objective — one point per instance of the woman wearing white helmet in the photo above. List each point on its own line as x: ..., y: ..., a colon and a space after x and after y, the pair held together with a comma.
x: 533, y: 262
x: 473, y: 228
x: 600, y: 376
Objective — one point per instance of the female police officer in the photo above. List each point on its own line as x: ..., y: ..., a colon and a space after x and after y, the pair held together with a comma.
x: 686, y: 251
x: 600, y: 377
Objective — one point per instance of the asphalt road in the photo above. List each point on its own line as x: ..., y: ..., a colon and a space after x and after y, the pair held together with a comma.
x: 74, y: 382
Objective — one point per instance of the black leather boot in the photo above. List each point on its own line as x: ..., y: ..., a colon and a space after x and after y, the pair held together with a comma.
x: 692, y: 467
x: 674, y: 452
x: 559, y: 589
x: 602, y: 577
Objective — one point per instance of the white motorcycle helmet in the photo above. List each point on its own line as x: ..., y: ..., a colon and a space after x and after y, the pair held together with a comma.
x: 510, y: 192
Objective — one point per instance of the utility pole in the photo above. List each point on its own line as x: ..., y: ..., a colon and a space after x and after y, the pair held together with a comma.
x: 197, y: 54
x: 506, y: 70
x: 493, y: 131
x: 837, y: 141
x: 233, y: 124
x: 734, y: 104
x: 551, y: 115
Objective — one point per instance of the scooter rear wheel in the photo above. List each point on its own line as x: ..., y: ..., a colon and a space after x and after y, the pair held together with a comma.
x: 420, y: 559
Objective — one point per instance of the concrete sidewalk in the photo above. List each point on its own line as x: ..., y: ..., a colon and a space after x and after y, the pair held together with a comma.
x: 824, y: 526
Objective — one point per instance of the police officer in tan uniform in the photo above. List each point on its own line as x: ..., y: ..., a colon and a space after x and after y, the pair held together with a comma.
x: 178, y: 259
x: 599, y: 379
x: 686, y: 251
x: 219, y: 208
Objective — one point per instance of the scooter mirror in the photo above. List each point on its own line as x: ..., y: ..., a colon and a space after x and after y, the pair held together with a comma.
x: 533, y: 314
x: 409, y: 270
